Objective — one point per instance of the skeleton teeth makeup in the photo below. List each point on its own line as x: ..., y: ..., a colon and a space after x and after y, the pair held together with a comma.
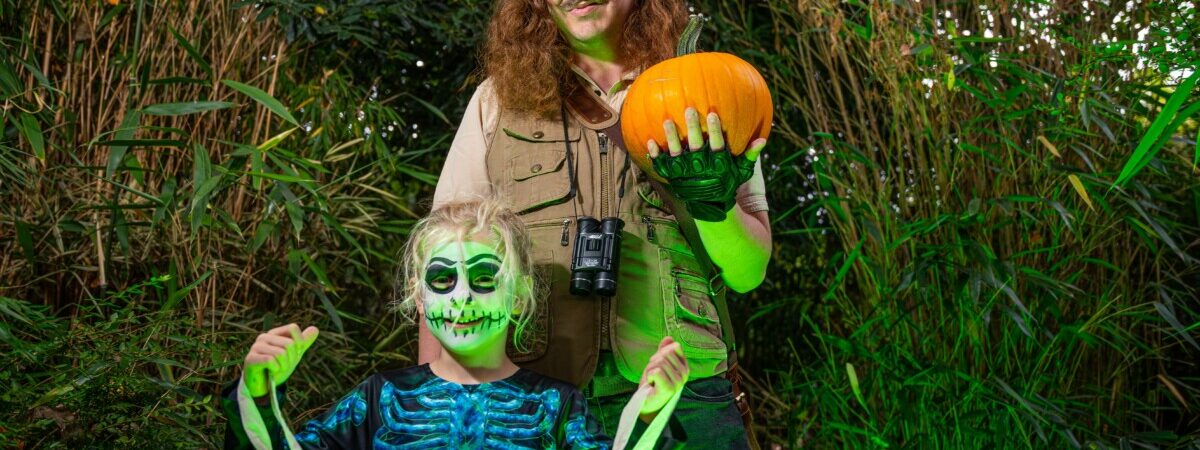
x: 465, y: 308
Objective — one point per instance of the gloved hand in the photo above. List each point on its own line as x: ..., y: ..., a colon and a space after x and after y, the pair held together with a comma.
x: 277, y: 352
x: 666, y: 373
x: 707, y: 177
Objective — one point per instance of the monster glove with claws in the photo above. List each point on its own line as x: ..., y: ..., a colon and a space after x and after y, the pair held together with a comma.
x: 706, y: 178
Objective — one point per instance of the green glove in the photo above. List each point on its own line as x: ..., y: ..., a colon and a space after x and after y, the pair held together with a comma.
x: 705, y: 180
x: 277, y: 351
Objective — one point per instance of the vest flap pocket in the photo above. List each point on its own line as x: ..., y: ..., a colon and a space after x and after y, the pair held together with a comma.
x: 692, y: 316
x: 538, y: 179
x: 536, y: 163
x: 545, y: 131
x: 692, y: 285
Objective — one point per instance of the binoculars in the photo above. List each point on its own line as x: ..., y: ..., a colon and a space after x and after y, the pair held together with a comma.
x: 596, y: 255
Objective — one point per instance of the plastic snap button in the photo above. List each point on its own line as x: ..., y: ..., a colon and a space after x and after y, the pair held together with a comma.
x: 536, y: 168
x: 538, y: 134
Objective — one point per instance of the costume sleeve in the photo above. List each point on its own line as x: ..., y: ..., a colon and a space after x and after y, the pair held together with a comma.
x: 578, y: 429
x: 249, y: 423
x: 465, y: 174
x: 254, y: 426
x: 752, y: 195
x: 345, y: 425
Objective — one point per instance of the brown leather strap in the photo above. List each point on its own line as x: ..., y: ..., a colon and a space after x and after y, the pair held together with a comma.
x: 589, y: 109
x: 743, y: 404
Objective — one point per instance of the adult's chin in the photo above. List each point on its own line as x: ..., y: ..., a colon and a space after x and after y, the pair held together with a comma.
x: 468, y: 345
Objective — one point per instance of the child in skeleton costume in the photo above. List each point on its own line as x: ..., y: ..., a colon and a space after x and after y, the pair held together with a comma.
x: 465, y: 273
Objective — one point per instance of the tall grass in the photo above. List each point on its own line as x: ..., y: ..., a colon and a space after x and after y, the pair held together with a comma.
x: 990, y: 276
x: 195, y: 144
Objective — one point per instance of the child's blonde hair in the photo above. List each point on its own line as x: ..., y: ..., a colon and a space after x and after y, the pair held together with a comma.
x: 457, y: 222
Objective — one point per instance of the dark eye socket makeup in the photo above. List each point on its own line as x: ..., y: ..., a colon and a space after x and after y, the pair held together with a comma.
x: 442, y: 274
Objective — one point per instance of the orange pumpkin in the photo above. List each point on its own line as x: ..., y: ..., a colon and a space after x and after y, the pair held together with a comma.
x: 710, y: 82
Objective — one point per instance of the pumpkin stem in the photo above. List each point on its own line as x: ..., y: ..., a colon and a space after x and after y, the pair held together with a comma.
x: 690, y: 36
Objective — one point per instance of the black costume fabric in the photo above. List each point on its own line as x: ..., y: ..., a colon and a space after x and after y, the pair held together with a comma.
x: 414, y: 409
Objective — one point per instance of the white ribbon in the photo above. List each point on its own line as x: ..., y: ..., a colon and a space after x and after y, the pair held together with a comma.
x: 631, y: 413
x: 253, y: 423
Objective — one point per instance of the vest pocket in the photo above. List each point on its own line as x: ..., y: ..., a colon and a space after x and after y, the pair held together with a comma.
x: 536, y: 334
x: 692, y: 317
x: 538, y: 177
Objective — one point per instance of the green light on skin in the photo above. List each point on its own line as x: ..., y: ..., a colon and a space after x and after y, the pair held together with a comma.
x: 462, y: 305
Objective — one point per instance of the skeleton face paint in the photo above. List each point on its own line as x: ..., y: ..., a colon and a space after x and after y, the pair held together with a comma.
x: 466, y: 307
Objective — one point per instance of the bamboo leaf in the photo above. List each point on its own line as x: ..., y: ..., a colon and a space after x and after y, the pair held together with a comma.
x: 1049, y: 146
x: 1196, y: 159
x: 125, y: 133
x: 191, y: 51
x: 850, y: 372
x: 1083, y: 193
x: 280, y: 177
x: 179, y: 294
x: 1174, y: 321
x: 263, y: 98
x: 845, y: 268
x: 184, y: 108
x: 33, y: 133
x: 25, y: 238
x: 1150, y: 142
x: 275, y: 140
x: 331, y: 310
x: 432, y: 109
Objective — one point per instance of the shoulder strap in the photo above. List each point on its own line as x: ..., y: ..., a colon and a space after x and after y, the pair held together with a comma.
x: 716, y: 285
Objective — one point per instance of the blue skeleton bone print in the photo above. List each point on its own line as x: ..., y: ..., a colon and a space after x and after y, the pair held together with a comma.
x: 441, y: 414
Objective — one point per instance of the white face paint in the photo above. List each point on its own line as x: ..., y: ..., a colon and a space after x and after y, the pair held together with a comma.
x: 466, y: 307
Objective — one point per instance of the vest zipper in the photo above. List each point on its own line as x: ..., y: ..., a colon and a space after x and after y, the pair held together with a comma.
x: 649, y: 229
x: 605, y: 302
x: 604, y: 174
x: 566, y: 232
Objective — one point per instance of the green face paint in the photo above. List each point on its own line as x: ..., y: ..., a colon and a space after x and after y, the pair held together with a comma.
x: 466, y: 309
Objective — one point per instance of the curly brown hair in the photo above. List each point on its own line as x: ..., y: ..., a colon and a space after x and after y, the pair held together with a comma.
x: 528, y: 59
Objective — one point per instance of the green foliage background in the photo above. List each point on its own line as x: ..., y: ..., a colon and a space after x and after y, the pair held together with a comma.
x: 985, y: 213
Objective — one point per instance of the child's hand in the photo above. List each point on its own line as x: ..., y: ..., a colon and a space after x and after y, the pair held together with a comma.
x: 278, y: 352
x: 666, y: 373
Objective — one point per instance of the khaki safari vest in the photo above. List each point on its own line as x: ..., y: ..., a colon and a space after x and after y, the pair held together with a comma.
x: 663, y: 287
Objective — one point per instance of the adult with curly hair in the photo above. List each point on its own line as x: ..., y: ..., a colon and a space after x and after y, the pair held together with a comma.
x: 543, y: 132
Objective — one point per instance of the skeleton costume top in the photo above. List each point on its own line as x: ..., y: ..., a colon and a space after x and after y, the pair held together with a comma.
x: 413, y: 408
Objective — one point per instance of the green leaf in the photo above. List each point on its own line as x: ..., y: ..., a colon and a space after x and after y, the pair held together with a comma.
x: 201, y: 165
x: 850, y: 372
x: 142, y: 142
x: 280, y: 177
x: 1150, y: 142
x: 263, y: 98
x: 26, y: 240
x: 1196, y: 159
x: 184, y: 108
x: 33, y: 133
x: 432, y: 109
x: 331, y: 310
x: 274, y: 141
x: 1080, y: 189
x: 191, y: 51
x: 179, y: 294
x: 200, y: 200
x: 844, y: 269
x: 125, y: 133
x: 1174, y: 321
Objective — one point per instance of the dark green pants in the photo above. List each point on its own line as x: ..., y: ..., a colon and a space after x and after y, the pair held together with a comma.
x: 705, y: 410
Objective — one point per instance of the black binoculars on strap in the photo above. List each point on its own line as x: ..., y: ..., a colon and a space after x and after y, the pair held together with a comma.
x: 596, y: 256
